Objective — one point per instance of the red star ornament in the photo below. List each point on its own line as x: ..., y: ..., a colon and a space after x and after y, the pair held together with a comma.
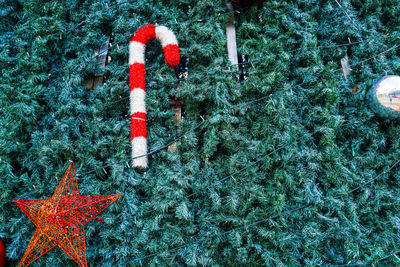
x: 60, y: 220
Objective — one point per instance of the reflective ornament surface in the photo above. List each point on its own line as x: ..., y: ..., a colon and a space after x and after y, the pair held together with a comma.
x: 385, y: 97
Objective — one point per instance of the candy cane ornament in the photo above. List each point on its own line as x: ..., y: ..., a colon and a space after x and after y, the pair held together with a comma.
x: 137, y: 83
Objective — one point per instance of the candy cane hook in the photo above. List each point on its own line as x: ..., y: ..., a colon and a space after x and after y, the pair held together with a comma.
x: 137, y: 83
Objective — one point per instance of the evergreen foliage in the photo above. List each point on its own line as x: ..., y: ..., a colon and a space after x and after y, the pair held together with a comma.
x: 289, y: 167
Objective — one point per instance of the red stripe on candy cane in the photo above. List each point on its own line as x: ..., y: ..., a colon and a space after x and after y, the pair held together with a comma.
x: 138, y: 125
x: 170, y: 52
x: 137, y: 74
x: 145, y: 34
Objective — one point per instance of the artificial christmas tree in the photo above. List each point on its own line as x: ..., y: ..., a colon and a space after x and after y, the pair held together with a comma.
x: 248, y: 2
x: 288, y: 167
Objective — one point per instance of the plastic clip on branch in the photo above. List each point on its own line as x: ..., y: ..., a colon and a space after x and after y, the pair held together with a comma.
x: 137, y: 83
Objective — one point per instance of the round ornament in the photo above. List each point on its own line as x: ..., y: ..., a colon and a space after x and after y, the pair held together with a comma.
x: 384, y: 97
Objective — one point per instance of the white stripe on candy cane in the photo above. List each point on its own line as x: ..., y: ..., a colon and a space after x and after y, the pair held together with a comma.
x: 136, y: 52
x: 139, y: 151
x: 165, y: 36
x: 137, y: 100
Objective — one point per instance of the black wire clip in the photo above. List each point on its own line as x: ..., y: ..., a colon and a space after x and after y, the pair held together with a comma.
x: 182, y: 70
x: 243, y: 62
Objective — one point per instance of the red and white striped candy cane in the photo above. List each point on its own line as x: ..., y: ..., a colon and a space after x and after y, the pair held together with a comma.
x: 137, y: 83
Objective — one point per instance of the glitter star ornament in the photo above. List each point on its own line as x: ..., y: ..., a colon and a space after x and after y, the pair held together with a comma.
x: 60, y: 220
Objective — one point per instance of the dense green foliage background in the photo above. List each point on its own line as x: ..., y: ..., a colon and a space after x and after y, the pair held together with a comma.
x: 289, y: 167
